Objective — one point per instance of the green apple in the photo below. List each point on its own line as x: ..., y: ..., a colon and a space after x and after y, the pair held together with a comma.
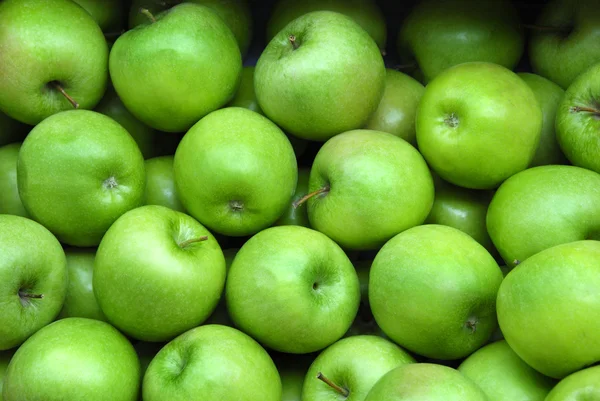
x: 439, y: 34
x: 54, y: 57
x: 10, y: 201
x: 425, y: 381
x: 462, y: 208
x: 93, y: 174
x: 108, y: 14
x: 365, y: 13
x: 151, y: 142
x: 80, y: 300
x: 398, y: 107
x: 33, y: 279
x: 158, y: 273
x: 578, y: 120
x: 308, y: 85
x: 547, y: 306
x: 245, y: 96
x: 583, y: 385
x: 292, y: 289
x: 292, y: 382
x: 444, y: 283
x: 478, y: 124
x: 563, y: 44
x: 351, y: 367
x: 364, y: 322
x: 235, y: 13
x: 367, y: 186
x: 542, y: 207
x: 235, y: 171
x: 220, y: 314
x: 296, y: 215
x: 212, y: 362
x: 74, y: 359
x: 548, y: 95
x: 503, y: 376
x: 11, y: 130
x: 5, y: 358
x: 173, y: 71
x: 160, y: 183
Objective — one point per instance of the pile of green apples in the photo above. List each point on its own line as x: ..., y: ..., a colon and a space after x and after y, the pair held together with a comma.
x: 340, y: 219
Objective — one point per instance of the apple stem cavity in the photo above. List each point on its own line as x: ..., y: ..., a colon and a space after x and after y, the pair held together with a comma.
x: 292, y: 39
x: 148, y: 14
x: 305, y: 198
x: 545, y: 28
x: 59, y: 88
x: 334, y: 386
x: 193, y: 241
x: 577, y: 109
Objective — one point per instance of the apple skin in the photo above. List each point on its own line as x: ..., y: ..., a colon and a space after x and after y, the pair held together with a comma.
x: 364, y: 322
x: 145, y: 275
x: 444, y: 283
x: 398, y: 107
x: 219, y: 362
x: 25, y: 269
x: 503, y: 376
x: 297, y: 216
x: 108, y: 14
x: 80, y: 300
x: 322, y: 99
x: 365, y: 13
x: 546, y: 306
x: 74, y: 359
x: 11, y: 130
x: 235, y: 171
x: 561, y: 55
x: 41, y: 45
x: 195, y: 69
x: 478, y: 124
x: 425, y: 381
x: 235, y: 13
x: 5, y: 358
x: 439, y: 34
x: 542, y: 207
x: 577, y: 131
x: 464, y: 209
x: 220, y: 314
x: 549, y: 96
x: 93, y: 174
x: 579, y: 386
x: 10, y: 201
x: 160, y: 183
x: 292, y: 289
x: 355, y: 364
x: 292, y: 381
x: 245, y: 96
x: 378, y: 186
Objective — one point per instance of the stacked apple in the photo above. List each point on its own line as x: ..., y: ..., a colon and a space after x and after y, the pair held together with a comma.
x: 176, y: 226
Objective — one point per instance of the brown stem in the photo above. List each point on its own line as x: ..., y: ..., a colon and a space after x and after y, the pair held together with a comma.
x: 577, y: 109
x: 334, y: 386
x: 59, y: 88
x: 302, y: 200
x: 148, y: 14
x: 32, y: 296
x: 192, y: 241
x: 545, y: 28
x: 292, y: 40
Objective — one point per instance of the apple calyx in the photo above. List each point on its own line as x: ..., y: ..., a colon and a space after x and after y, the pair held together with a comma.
x: 56, y: 85
x: 578, y: 109
x: 548, y: 28
x: 292, y: 39
x: 516, y: 262
x: 305, y: 198
x: 334, y: 386
x: 192, y: 241
x: 148, y: 14
x: 472, y: 325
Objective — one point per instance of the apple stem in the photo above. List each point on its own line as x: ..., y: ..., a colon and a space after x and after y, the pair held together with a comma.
x: 292, y: 40
x: 545, y: 28
x: 32, y: 296
x: 334, y: 386
x: 148, y: 14
x: 192, y: 241
x: 577, y: 109
x: 59, y: 88
x: 302, y: 200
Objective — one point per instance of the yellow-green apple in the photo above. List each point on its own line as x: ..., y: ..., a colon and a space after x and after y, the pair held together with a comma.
x: 33, y: 279
x: 542, y: 207
x: 296, y: 215
x: 77, y: 172
x: 245, y: 96
x: 478, y: 124
x: 179, y: 67
x: 544, y: 307
x: 54, y: 57
x: 108, y: 14
x: 583, y: 385
x: 220, y: 315
x: 10, y: 201
x: 307, y: 83
x: 292, y: 381
x: 292, y: 289
x: 444, y: 283
x: 364, y: 322
x: 160, y: 183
